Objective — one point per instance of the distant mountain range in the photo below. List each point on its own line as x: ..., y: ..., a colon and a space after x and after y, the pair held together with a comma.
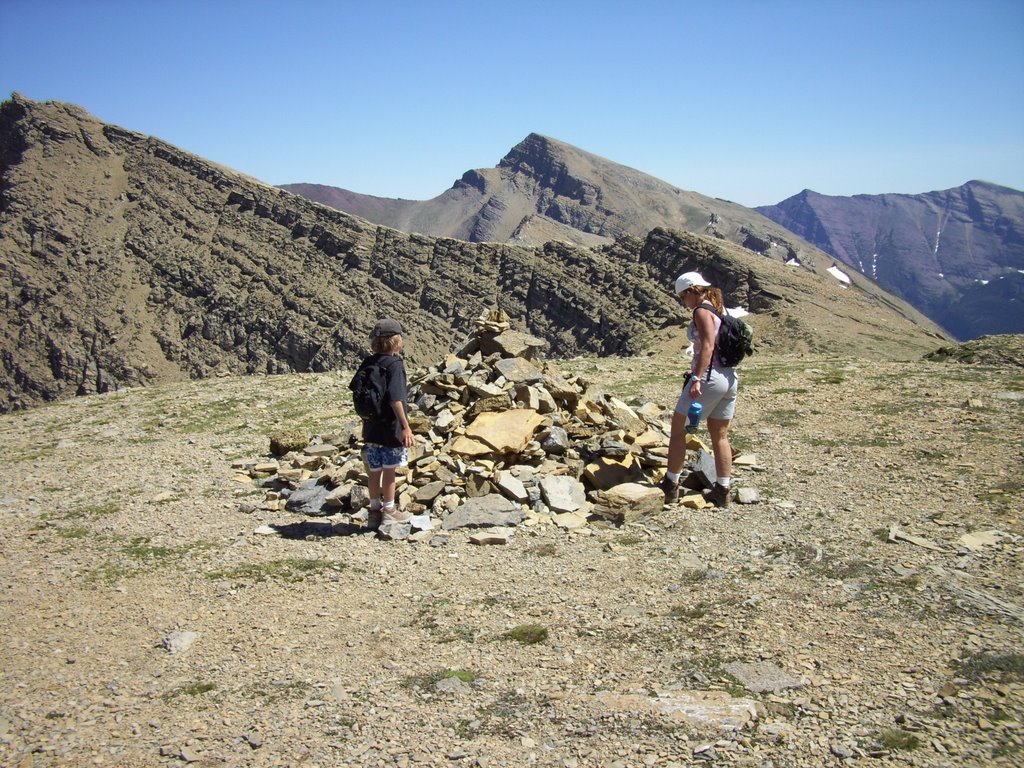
x: 125, y: 261
x: 955, y: 255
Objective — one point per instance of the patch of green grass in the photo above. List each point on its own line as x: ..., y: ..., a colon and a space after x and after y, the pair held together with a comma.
x: 138, y: 555
x: 756, y: 375
x: 429, y: 680
x: 826, y: 442
x: 732, y: 686
x: 496, y: 718
x: 212, y: 417
x: 792, y: 391
x: 34, y: 452
x: 274, y: 691
x: 939, y: 455
x: 191, y: 689
x: 527, y: 634
x: 459, y: 634
x: 739, y: 442
x: 1003, y: 495
x: 139, y: 548
x: 291, y: 570
x: 898, y: 740
x: 1007, y: 666
x: 783, y: 417
x: 698, y: 611
x: 544, y: 549
x: 89, y: 511
x: 711, y: 667
x: 629, y: 539
x: 831, y: 378
x: 1007, y: 749
x: 74, y: 532
x: 872, y: 441
x: 108, y: 573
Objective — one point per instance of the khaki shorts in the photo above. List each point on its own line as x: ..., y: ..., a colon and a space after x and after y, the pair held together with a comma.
x: 717, y: 395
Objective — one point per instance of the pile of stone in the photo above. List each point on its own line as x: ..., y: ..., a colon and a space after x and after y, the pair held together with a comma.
x: 502, y: 439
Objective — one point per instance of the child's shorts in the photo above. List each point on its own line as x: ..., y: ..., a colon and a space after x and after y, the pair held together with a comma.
x: 383, y: 457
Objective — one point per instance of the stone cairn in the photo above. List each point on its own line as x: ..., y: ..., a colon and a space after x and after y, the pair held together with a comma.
x: 503, y: 439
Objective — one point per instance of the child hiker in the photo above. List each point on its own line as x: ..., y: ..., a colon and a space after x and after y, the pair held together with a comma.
x: 387, y: 436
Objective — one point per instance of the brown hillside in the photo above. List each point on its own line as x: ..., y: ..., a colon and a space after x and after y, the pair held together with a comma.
x: 127, y: 261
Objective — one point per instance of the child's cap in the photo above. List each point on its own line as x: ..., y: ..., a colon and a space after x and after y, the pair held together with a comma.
x: 386, y: 327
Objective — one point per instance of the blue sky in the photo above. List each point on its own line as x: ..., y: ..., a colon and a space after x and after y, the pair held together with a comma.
x: 749, y: 101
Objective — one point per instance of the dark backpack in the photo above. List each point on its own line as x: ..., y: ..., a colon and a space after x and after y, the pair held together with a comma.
x: 735, y: 339
x: 370, y: 391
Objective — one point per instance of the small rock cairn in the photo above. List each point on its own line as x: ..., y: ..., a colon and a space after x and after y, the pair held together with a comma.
x: 503, y: 439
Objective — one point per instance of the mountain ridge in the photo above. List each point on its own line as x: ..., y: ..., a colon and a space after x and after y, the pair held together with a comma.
x: 938, y: 250
x: 549, y: 187
x: 126, y: 261
x: 545, y: 189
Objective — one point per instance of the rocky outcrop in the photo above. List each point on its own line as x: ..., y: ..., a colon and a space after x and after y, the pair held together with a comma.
x: 955, y: 254
x: 126, y: 261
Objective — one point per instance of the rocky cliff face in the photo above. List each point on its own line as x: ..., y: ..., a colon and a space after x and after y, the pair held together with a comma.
x: 125, y: 261
x: 956, y: 254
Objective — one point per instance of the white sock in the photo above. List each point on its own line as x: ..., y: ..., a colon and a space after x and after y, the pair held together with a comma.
x: 725, y: 482
x: 672, y: 477
x: 388, y: 506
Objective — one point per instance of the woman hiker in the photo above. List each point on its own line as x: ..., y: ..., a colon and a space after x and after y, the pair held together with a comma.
x: 708, y: 383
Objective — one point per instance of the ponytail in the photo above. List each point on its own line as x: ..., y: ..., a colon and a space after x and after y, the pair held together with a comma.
x: 714, y: 296
x: 716, y: 299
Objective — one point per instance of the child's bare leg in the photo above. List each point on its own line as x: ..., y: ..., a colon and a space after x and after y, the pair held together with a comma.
x: 387, y: 485
x: 374, y: 485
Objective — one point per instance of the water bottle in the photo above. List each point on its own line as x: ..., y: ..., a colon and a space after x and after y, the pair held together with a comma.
x: 693, y: 416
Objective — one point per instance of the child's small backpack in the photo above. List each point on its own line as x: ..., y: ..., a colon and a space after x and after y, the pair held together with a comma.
x: 370, y: 391
x: 735, y: 339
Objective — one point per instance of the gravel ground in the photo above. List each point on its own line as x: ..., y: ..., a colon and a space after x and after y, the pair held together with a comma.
x: 879, y: 577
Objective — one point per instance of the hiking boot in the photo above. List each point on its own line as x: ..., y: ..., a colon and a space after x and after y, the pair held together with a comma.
x: 718, y: 495
x: 397, y: 515
x: 670, y: 489
x: 374, y: 518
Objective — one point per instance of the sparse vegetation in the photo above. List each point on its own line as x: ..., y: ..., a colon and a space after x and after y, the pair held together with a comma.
x: 1008, y: 667
x: 544, y: 549
x: 698, y: 611
x: 191, y: 689
x: 290, y: 570
x: 898, y: 740
x: 527, y: 634
x: 430, y: 680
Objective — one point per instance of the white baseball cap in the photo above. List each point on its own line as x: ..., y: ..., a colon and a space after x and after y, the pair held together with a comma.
x: 688, y: 280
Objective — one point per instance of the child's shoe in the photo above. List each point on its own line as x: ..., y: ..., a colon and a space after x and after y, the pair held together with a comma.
x: 374, y: 517
x: 397, y: 515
